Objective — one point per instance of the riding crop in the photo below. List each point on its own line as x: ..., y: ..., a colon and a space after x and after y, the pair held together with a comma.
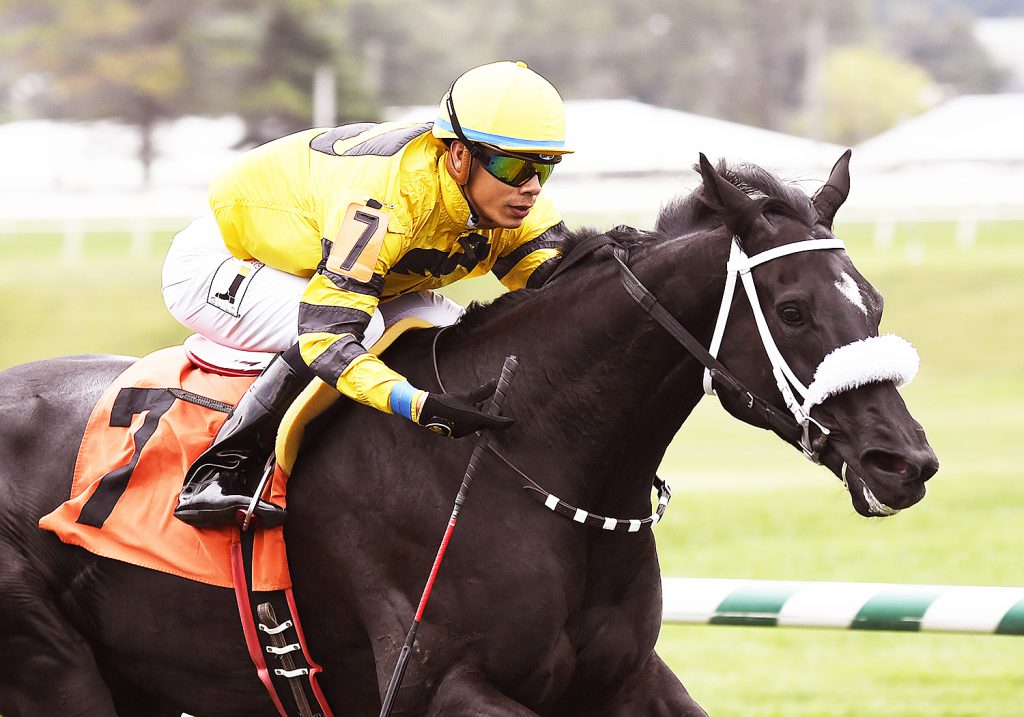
x: 508, y: 371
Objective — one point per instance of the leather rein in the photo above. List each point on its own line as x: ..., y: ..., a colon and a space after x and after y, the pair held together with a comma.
x: 785, y: 426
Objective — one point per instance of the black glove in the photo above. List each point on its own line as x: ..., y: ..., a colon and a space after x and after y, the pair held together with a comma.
x: 458, y: 414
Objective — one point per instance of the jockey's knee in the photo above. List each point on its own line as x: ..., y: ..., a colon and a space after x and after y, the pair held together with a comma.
x: 434, y: 308
x: 446, y: 311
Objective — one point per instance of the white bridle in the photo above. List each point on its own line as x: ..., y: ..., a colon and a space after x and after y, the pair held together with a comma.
x: 874, y: 359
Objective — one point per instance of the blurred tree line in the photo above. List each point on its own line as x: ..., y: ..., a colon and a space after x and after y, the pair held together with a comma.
x: 839, y: 70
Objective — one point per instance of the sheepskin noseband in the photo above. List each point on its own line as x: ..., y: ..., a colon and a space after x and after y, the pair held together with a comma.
x: 872, y: 360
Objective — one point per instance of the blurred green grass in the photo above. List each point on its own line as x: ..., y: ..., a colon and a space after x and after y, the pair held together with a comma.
x: 744, y: 505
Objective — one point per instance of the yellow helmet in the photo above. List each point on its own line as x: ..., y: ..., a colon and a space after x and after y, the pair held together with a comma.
x: 506, y: 105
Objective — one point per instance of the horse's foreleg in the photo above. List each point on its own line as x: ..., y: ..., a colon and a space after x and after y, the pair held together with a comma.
x: 48, y: 666
x: 652, y: 691
x: 465, y: 692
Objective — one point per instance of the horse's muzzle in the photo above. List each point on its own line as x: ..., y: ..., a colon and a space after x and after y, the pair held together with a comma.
x: 882, y: 482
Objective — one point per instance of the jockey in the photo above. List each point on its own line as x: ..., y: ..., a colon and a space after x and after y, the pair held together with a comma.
x: 320, y: 240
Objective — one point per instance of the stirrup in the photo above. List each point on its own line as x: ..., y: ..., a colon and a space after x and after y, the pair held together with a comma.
x: 244, y: 517
x: 214, y: 500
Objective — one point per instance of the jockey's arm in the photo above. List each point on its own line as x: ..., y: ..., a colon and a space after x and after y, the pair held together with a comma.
x: 334, y: 312
x: 531, y: 262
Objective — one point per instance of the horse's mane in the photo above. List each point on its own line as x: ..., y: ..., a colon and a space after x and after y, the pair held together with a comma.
x: 693, y: 211
x: 478, y: 312
x: 682, y: 215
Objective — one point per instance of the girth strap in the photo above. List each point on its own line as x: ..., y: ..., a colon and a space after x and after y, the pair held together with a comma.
x: 273, y: 635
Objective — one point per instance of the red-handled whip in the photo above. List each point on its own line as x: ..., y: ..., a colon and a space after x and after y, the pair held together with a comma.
x: 508, y: 371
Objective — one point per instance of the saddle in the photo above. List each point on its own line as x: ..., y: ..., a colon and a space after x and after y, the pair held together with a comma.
x: 147, y: 428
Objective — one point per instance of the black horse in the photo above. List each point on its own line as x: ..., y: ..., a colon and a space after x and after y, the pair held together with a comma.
x: 533, y: 614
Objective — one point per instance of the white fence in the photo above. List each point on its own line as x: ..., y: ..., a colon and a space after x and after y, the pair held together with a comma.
x: 76, y: 215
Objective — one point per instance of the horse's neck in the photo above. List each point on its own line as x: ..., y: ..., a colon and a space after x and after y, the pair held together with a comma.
x: 602, y: 384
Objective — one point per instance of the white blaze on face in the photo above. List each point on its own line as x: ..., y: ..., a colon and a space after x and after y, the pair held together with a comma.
x: 848, y: 287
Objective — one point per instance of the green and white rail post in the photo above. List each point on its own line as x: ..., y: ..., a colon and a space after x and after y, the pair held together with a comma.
x: 845, y: 605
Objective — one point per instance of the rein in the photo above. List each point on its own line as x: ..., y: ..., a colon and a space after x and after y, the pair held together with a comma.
x: 556, y: 504
x: 790, y: 428
x: 559, y: 506
x: 780, y: 423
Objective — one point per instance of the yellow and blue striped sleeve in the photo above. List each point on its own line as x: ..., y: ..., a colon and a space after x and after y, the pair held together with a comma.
x: 529, y: 263
x: 334, y: 312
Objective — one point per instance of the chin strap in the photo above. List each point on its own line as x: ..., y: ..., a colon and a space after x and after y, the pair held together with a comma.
x: 474, y: 216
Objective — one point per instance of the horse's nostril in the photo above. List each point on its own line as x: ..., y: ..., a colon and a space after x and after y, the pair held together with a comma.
x: 907, y: 467
x: 885, y: 462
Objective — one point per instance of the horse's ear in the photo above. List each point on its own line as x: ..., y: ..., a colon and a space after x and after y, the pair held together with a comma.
x: 741, y: 214
x: 833, y: 192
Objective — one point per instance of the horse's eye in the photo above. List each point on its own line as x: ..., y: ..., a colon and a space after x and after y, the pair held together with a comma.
x: 791, y: 315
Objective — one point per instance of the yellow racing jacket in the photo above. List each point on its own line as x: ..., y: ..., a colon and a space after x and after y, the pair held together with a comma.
x: 368, y: 212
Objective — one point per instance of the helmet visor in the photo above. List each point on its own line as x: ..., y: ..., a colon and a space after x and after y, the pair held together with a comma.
x: 512, y: 170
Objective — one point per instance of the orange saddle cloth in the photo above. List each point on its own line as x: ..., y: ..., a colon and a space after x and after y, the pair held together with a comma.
x: 149, y: 426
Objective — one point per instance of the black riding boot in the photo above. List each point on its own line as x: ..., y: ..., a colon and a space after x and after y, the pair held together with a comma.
x: 223, y: 479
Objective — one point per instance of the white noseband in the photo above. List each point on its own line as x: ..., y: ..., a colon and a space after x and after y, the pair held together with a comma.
x: 870, y: 360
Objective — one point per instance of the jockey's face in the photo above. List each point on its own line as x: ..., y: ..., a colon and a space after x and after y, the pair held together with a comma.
x: 497, y: 204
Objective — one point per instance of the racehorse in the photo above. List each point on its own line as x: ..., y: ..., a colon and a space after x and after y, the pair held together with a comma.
x: 533, y: 614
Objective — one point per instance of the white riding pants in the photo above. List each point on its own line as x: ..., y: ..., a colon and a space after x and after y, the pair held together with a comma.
x: 247, y: 305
